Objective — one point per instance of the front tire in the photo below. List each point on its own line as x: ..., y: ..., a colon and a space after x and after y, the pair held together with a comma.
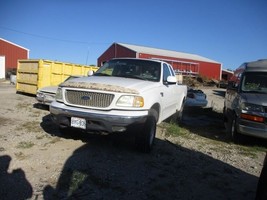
x: 178, y: 116
x: 65, y: 130
x: 145, y: 138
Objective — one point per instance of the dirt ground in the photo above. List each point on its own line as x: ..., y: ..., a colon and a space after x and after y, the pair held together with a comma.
x: 37, y: 162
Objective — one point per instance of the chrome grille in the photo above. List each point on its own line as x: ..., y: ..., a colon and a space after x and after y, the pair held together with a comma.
x: 90, y: 99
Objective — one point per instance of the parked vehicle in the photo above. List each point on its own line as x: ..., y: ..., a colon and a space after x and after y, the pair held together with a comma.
x: 245, y: 106
x: 222, y: 84
x: 47, y: 94
x: 125, y: 94
x: 196, y: 98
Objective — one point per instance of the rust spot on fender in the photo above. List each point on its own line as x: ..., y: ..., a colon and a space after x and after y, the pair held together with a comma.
x: 99, y: 86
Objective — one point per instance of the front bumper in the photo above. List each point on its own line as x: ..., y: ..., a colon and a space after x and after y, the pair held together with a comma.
x: 252, y: 128
x: 99, y: 121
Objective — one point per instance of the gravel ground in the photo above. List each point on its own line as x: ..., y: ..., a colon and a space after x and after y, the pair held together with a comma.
x: 37, y: 162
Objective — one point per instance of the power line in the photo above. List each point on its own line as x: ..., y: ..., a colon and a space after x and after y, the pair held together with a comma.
x: 52, y: 38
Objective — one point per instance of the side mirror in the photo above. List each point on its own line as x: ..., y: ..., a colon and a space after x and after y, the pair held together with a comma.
x: 171, y: 80
x: 232, y: 85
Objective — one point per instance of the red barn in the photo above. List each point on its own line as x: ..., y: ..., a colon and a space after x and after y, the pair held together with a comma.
x: 183, y: 63
x: 10, y: 53
x: 227, y: 74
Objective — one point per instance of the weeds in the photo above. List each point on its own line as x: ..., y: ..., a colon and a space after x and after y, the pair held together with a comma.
x: 23, y: 105
x: 175, y: 131
x: 172, y: 129
x: 25, y: 145
x: 54, y: 140
x: 32, y: 126
x: 77, y: 179
x: 20, y: 156
x: 35, y: 113
x: 250, y: 151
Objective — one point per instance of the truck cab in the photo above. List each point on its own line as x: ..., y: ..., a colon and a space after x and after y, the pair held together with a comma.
x: 245, y: 106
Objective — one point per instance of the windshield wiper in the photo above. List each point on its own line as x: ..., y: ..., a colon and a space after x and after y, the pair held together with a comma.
x: 101, y: 74
x: 135, y: 77
x: 255, y: 91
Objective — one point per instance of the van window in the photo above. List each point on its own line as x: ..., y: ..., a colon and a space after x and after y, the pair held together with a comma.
x: 254, y: 82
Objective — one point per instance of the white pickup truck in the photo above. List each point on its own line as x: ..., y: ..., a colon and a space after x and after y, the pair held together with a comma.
x: 125, y: 94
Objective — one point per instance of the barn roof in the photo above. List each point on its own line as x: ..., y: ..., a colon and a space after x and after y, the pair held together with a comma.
x: 169, y: 53
x: 14, y: 44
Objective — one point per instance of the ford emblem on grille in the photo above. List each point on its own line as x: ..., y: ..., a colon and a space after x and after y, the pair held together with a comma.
x: 86, y: 98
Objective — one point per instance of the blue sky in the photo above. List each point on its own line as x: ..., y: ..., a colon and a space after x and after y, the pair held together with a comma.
x: 79, y: 31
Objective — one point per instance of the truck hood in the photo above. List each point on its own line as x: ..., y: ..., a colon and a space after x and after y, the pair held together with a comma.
x: 113, y: 84
x: 48, y: 89
x: 255, y: 98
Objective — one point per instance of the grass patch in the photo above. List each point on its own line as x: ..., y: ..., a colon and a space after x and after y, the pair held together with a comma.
x: 35, y: 113
x: 55, y: 140
x: 4, y: 121
x: 40, y: 137
x: 2, y: 149
x: 20, y: 156
x: 77, y: 179
x: 25, y: 145
x: 250, y: 151
x: 23, y: 105
x: 172, y: 129
x: 32, y: 126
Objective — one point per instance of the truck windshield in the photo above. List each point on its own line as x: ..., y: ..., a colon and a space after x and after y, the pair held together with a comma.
x: 254, y: 82
x: 131, y: 68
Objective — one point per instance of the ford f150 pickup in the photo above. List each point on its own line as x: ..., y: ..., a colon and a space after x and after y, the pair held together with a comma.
x: 125, y: 94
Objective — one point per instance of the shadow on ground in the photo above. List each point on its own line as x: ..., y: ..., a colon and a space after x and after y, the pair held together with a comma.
x: 104, y: 169
x: 209, y: 123
x: 220, y: 93
x: 204, y: 122
x: 14, y: 184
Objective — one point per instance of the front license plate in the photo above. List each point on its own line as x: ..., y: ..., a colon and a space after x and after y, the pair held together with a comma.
x: 78, y: 122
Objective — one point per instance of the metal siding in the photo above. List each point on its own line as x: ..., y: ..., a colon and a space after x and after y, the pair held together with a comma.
x: 206, y: 69
x: 115, y: 51
x: 12, y: 53
x: 227, y: 75
x: 107, y: 55
x: 35, y: 74
x: 210, y: 70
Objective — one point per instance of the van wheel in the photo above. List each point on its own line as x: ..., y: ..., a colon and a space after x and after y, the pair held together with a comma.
x: 145, y: 138
x: 233, y: 131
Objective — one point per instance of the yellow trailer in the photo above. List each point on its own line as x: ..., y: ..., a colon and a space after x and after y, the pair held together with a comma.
x: 35, y: 74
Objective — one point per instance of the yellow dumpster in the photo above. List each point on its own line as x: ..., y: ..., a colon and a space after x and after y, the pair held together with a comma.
x: 35, y: 74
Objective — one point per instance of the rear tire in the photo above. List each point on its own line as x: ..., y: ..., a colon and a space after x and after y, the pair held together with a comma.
x: 145, y: 138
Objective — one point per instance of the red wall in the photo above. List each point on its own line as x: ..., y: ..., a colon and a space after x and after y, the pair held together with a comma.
x: 205, y: 69
x: 115, y: 51
x: 12, y: 54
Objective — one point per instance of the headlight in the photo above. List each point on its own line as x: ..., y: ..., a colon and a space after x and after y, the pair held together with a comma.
x: 59, y: 96
x: 252, y: 107
x: 40, y: 95
x: 130, y: 101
